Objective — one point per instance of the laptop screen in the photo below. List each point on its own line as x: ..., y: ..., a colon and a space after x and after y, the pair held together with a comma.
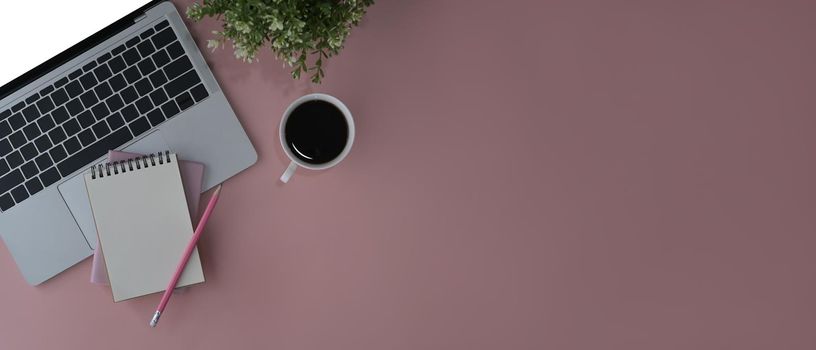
x: 31, y: 32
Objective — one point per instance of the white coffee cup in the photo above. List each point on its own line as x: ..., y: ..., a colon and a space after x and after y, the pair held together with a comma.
x: 296, y: 162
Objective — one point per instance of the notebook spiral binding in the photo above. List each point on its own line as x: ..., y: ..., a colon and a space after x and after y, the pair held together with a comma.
x: 131, y: 164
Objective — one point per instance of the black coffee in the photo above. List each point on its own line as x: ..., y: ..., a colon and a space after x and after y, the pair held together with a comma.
x: 316, y: 132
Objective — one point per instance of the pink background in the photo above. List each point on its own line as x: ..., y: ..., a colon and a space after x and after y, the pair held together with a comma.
x: 527, y: 175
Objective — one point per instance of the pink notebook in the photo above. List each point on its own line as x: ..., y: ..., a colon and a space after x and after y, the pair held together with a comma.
x: 192, y: 176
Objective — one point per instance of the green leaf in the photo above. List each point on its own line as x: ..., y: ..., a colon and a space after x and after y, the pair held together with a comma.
x: 291, y: 28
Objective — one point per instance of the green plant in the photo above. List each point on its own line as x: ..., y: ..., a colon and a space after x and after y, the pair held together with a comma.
x: 302, y: 33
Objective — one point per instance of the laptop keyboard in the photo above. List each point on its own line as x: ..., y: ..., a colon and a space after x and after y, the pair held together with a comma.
x: 79, y: 117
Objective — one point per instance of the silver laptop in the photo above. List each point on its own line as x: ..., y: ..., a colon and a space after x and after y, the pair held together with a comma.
x: 138, y: 84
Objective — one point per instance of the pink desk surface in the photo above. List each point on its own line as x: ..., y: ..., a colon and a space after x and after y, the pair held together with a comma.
x: 527, y: 175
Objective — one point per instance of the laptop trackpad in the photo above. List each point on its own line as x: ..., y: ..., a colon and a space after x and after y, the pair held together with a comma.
x: 74, y: 193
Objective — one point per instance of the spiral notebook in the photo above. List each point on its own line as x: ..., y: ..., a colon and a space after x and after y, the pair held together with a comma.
x: 143, y: 223
x: 192, y: 176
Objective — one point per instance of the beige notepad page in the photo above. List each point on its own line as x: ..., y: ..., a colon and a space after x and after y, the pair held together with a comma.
x: 143, y: 226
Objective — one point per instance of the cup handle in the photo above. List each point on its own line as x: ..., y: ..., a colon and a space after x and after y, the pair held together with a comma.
x: 289, y: 172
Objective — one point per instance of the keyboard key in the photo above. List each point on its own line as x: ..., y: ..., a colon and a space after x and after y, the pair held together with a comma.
x: 86, y: 137
x: 130, y: 113
x: 119, y: 49
x: 170, y: 109
x: 143, y: 86
x: 86, y: 119
x: 161, y: 25
x: 34, y: 186
x: 75, y: 74
x: 177, y: 67
x: 88, y: 99
x: 60, y: 115
x: 16, y: 121
x: 5, y: 147
x: 43, y: 143
x: 158, y: 78
x: 144, y: 105
x: 102, y: 72
x: 100, y: 111
x: 101, y: 129
x: 16, y: 108
x: 43, y: 161
x: 199, y: 92
x: 17, y: 139
x: 146, y: 48
x: 158, y: 97
x: 115, y: 121
x: 103, y: 58
x: 132, y: 75
x: 139, y: 126
x: 88, y: 81
x: 59, y: 83
x: 175, y: 50
x: 45, y: 105
x: 146, y: 34
x: 114, y: 103
x: 74, y: 107
x: 5, y: 128
x: 29, y: 170
x: 5, y: 114
x: 129, y: 95
x: 14, y: 159
x: 163, y: 37
x: 32, y: 131
x: 31, y: 113
x: 6, y: 202
x: 49, y: 177
x: 33, y: 98
x: 10, y: 180
x: 59, y: 97
x: 184, y: 100
x: 29, y: 151
x: 19, y: 193
x: 117, y: 64
x: 45, y: 123
x: 58, y: 153
x: 161, y: 58
x: 132, y: 41
x: 103, y: 91
x: 72, y: 145
x: 90, y: 65
x: 57, y: 135
x: 117, y: 82
x: 155, y: 117
x: 182, y: 83
x: 131, y: 56
x: 4, y: 168
x: 71, y: 127
x: 46, y: 90
x: 94, y: 151
x: 74, y: 89
x: 146, y: 66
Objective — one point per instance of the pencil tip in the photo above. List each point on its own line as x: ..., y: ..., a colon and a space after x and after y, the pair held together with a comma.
x: 155, y: 320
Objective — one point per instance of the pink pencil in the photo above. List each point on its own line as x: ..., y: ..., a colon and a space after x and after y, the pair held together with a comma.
x: 187, y: 252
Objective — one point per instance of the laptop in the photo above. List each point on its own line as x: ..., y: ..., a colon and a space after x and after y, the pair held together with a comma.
x: 119, y: 75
